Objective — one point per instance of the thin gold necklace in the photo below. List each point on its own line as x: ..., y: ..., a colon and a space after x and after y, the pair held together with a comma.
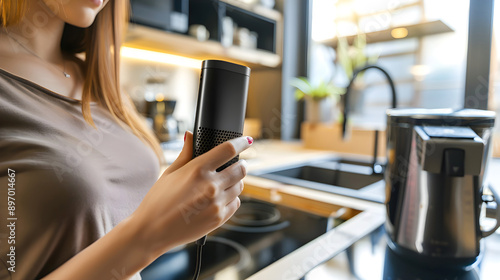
x: 33, y: 53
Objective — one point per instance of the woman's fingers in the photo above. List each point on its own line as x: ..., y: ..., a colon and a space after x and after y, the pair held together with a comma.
x: 232, y: 192
x: 224, y: 152
x: 232, y: 174
x: 185, y: 156
x: 231, y: 208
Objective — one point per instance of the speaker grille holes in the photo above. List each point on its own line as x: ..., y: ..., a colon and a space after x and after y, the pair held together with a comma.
x: 207, y: 138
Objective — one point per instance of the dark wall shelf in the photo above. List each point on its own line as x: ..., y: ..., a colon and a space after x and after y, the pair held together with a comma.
x: 211, y: 13
x: 266, y: 23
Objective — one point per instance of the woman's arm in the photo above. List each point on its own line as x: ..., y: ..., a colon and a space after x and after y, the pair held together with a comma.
x: 188, y: 201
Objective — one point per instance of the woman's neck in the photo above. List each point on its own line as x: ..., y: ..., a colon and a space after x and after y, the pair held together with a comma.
x: 40, y: 32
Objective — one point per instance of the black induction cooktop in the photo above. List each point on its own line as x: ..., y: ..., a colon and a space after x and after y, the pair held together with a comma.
x: 257, y: 235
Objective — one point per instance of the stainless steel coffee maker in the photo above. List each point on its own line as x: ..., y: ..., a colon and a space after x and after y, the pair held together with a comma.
x: 434, y: 183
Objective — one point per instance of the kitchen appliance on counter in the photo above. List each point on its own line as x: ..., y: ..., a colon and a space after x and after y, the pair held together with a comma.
x: 159, y: 106
x: 165, y: 126
x: 434, y: 183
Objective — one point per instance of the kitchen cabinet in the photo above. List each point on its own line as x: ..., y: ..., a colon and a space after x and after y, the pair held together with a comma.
x: 264, y: 23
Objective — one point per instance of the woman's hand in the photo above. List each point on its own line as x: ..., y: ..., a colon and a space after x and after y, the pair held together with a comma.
x: 191, y: 199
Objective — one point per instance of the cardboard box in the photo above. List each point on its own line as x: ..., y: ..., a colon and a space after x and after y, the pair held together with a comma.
x: 253, y: 128
x: 329, y: 137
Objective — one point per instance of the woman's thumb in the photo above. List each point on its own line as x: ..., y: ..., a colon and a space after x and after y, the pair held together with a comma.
x: 185, y: 156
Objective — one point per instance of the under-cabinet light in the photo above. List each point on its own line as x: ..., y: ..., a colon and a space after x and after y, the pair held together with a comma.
x: 399, y: 33
x: 160, y: 57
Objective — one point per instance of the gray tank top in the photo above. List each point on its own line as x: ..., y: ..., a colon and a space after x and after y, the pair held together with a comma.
x: 73, y: 183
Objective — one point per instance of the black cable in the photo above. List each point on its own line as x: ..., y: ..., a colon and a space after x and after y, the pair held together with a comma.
x: 199, y: 250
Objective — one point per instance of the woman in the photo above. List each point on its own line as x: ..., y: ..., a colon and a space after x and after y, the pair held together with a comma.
x: 78, y: 166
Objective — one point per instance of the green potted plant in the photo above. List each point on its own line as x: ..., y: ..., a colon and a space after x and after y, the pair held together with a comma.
x: 321, y: 99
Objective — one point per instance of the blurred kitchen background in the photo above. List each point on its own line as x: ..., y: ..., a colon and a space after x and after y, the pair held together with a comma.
x: 421, y: 44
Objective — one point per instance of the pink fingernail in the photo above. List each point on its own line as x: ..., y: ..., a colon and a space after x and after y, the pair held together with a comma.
x: 250, y: 140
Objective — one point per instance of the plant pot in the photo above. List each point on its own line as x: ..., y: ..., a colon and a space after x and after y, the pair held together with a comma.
x: 321, y: 110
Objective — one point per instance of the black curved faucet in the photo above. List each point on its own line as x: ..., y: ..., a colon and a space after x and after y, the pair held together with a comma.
x: 376, y: 168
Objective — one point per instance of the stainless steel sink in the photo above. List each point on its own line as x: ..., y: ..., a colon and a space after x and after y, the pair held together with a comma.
x: 335, y: 175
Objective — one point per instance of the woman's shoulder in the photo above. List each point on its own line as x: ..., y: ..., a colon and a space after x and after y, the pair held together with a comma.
x: 5, y: 76
x: 11, y: 88
x: 8, y: 87
x: 10, y: 82
x: 22, y: 103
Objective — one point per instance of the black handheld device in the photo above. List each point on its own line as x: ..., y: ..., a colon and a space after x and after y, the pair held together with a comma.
x: 220, y: 112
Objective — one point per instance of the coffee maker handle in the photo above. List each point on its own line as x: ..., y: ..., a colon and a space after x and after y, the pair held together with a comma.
x: 496, y: 198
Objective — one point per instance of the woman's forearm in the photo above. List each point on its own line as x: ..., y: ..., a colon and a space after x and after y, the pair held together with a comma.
x: 118, y: 255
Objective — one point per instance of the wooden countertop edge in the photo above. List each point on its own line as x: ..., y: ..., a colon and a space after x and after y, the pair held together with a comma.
x: 322, y: 203
x: 364, y: 217
x: 297, y: 264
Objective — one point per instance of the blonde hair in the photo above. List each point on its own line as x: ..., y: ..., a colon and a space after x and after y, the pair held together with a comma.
x: 101, y: 44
